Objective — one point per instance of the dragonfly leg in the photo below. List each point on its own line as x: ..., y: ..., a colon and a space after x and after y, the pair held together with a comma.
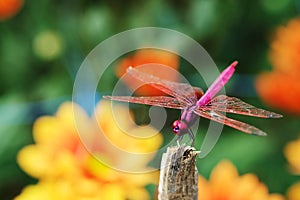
x: 191, y: 134
x: 179, y: 140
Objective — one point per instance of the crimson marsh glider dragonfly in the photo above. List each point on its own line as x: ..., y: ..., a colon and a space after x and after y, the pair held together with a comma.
x: 194, y: 102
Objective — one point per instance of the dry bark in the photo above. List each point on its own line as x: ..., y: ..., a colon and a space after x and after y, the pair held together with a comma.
x: 178, y: 175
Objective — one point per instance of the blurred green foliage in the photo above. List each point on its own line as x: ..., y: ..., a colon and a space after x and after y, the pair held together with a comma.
x: 32, y: 84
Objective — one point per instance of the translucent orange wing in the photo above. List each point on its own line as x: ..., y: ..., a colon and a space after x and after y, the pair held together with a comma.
x: 181, y: 91
x: 227, y: 104
x: 163, y: 101
x: 218, y: 117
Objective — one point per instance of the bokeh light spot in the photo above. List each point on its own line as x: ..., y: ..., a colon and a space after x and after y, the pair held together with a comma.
x: 48, y: 45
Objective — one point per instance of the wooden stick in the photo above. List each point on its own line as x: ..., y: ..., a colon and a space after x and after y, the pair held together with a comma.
x: 178, y: 174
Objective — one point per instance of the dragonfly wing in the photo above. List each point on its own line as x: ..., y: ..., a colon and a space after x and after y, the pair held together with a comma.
x: 227, y: 104
x: 163, y: 101
x: 218, y: 117
x: 182, y: 91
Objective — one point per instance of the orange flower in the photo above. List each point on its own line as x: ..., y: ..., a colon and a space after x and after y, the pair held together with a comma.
x: 281, y: 88
x: 226, y: 184
x: 285, y: 49
x: 159, y: 63
x: 9, y: 8
x: 66, y: 170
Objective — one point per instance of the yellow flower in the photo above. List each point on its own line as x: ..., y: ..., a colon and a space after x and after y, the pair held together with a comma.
x: 292, y: 151
x: 66, y: 170
x: 293, y: 192
x: 226, y: 184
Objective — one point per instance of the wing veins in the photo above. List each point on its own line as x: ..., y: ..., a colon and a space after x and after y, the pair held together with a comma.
x: 182, y: 91
x: 234, y: 105
x: 218, y: 117
x: 162, y: 101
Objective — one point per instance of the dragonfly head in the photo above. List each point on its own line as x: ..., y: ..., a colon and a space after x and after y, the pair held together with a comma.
x: 179, y: 127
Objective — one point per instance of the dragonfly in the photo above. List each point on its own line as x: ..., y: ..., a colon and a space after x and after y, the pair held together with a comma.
x: 195, y: 103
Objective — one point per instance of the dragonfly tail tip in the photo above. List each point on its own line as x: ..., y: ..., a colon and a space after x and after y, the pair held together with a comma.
x: 234, y: 63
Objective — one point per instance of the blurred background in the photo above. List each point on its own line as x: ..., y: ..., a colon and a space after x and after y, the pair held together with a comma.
x: 43, y: 43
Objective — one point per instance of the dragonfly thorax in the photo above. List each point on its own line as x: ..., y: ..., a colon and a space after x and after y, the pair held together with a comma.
x: 179, y: 127
x: 198, y: 92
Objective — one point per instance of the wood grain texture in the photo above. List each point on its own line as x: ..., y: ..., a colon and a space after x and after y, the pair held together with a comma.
x: 178, y: 175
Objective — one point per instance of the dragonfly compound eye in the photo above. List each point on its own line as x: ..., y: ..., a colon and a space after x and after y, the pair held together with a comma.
x: 179, y: 127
